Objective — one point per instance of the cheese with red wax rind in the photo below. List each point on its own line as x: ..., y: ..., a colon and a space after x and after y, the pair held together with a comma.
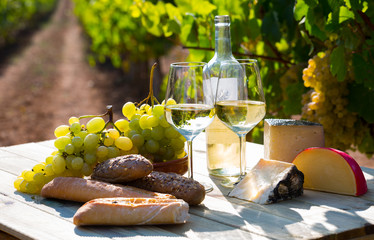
x: 285, y: 138
x: 331, y: 170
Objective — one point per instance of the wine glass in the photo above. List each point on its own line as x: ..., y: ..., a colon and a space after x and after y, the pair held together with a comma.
x: 189, y: 106
x: 242, y: 106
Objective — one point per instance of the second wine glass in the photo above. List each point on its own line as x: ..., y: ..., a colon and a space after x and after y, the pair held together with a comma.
x: 188, y: 107
x: 242, y: 106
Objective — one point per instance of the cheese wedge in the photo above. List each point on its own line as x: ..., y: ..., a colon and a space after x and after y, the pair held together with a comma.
x: 270, y: 181
x: 285, y: 138
x: 331, y: 170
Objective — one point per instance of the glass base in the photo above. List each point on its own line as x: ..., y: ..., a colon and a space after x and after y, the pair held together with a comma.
x: 207, y: 186
x: 225, y: 172
x: 230, y: 182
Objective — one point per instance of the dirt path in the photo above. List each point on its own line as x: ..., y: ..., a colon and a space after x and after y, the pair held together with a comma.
x: 51, y: 80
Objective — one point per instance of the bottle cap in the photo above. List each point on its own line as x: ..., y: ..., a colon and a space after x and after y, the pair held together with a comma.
x: 222, y: 19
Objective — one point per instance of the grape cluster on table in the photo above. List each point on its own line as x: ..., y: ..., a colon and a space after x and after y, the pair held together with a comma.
x: 80, y: 147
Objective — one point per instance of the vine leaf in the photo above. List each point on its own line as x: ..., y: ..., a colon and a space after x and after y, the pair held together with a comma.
x: 361, y: 101
x: 337, y: 63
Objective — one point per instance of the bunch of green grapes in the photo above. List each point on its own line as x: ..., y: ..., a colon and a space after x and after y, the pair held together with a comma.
x: 326, y: 103
x: 79, y: 149
x: 151, y: 134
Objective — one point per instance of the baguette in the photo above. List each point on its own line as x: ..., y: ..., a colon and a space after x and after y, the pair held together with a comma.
x: 122, y: 169
x: 175, y: 184
x: 83, y: 190
x: 132, y: 211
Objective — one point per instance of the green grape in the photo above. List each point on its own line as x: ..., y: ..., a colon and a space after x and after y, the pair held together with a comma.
x: 38, y: 168
x: 86, y: 169
x: 165, y: 141
x: 158, y: 110
x: 39, y: 178
x: 102, y: 152
x: 143, y: 123
x: 113, y: 133
x: 68, y: 161
x: 82, y: 134
x: 128, y: 110
x: 134, y: 124
x: 149, y: 111
x: 171, y: 101
x: 73, y: 120
x: 152, y: 146
x: 77, y: 163
x: 61, y: 142
x: 58, y: 164
x: 135, y: 116
x: 95, y: 125
x: 32, y: 188
x: 132, y: 133
x: 108, y: 141
x: 17, y: 183
x: 147, y: 134
x: 169, y: 154
x: 123, y: 143
x: 62, y: 130
x: 69, y: 148
x: 22, y: 186
x: 91, y: 141
x: 163, y: 122
x: 90, y: 158
x: 77, y: 142
x: 48, y: 170
x: 29, y: 175
x: 113, y: 152
x: 137, y: 140
x: 48, y: 160
x: 75, y: 127
x: 157, y: 133
x: 153, y: 121
x: 176, y: 143
x: 122, y: 125
x: 171, y: 133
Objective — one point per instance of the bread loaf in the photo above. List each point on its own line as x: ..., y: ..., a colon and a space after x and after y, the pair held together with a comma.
x: 122, y: 169
x: 83, y: 190
x: 132, y: 211
x: 177, y: 185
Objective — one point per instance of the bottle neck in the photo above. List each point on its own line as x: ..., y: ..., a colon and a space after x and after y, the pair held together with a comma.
x: 223, y: 40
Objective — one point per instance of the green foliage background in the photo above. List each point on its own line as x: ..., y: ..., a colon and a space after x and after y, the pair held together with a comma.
x: 16, y: 15
x: 282, y: 34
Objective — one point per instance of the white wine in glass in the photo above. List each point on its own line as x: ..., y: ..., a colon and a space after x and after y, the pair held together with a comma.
x: 244, y: 107
x: 188, y: 107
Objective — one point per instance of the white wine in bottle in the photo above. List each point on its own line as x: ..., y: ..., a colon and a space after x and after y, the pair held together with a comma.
x: 223, y: 156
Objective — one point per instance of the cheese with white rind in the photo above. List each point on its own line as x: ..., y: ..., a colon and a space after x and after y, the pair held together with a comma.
x: 285, y: 138
x: 331, y: 170
x: 270, y: 181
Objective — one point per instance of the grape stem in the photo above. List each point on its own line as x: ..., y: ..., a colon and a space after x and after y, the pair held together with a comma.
x: 150, y: 94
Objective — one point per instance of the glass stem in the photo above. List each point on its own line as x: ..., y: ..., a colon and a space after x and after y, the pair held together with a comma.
x: 243, y: 162
x: 189, y: 151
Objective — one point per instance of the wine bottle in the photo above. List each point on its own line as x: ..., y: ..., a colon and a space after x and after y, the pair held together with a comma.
x: 223, y: 153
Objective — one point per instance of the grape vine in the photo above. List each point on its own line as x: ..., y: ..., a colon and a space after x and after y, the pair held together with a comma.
x: 283, y: 35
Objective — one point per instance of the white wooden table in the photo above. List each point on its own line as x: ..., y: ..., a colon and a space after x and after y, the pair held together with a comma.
x: 313, y: 215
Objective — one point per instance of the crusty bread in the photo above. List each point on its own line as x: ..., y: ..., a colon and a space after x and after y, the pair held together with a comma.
x: 83, y: 190
x: 132, y: 211
x: 177, y: 185
x: 122, y: 169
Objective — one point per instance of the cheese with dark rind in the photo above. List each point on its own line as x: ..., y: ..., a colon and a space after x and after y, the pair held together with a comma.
x: 285, y: 138
x: 270, y: 181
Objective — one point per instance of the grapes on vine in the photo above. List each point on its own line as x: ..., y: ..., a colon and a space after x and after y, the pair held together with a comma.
x: 326, y: 103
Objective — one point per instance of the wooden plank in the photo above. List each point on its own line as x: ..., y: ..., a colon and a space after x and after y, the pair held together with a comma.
x: 32, y: 151
x: 67, y: 209
x: 13, y: 163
